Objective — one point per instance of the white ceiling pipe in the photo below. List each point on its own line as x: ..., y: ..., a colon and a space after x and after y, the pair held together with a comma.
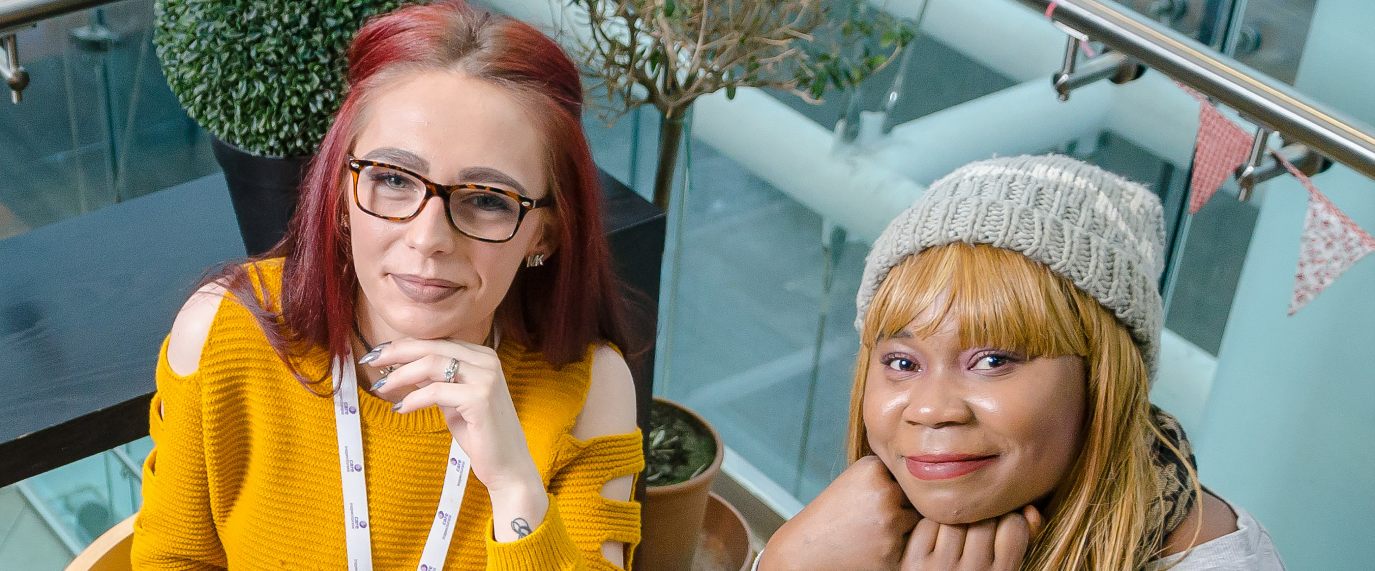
x: 793, y: 153
x: 1025, y: 118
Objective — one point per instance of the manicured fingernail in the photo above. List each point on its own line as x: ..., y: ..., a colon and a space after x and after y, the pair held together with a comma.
x: 373, y: 354
x: 396, y: 407
x: 379, y: 383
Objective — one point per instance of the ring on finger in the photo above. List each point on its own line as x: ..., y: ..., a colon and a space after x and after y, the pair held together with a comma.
x: 451, y: 370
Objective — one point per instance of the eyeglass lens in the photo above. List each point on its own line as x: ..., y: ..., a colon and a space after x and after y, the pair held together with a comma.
x: 477, y: 212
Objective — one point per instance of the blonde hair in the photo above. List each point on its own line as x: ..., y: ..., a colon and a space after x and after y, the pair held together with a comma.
x: 1000, y: 298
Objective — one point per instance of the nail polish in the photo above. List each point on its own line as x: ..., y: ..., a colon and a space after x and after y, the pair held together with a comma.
x: 373, y: 354
x: 379, y: 383
x: 396, y: 407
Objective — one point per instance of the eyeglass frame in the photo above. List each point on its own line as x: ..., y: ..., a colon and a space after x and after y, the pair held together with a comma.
x: 444, y: 192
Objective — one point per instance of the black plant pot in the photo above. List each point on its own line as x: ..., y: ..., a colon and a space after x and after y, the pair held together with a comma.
x: 264, y: 192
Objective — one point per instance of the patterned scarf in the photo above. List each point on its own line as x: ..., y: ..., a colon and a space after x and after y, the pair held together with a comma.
x: 1177, y: 493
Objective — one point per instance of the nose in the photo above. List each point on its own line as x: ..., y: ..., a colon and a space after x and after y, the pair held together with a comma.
x: 936, y: 401
x: 430, y: 232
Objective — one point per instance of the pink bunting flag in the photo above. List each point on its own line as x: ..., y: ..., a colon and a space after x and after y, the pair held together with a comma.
x: 1221, y: 147
x: 1331, y: 243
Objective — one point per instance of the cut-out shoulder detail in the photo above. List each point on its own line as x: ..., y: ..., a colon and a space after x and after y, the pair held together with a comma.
x: 610, y: 404
x: 609, y: 409
x: 191, y: 328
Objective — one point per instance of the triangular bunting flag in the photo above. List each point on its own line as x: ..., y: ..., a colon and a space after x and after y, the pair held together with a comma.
x: 1221, y: 147
x: 1331, y: 243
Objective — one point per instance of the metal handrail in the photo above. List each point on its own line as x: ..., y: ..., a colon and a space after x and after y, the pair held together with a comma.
x: 20, y: 13
x: 1257, y: 96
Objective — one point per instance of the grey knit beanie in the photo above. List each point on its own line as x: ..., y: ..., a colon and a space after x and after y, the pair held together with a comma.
x: 1103, y: 232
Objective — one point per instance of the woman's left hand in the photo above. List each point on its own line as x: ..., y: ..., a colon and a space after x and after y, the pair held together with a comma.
x: 995, y: 544
x: 478, y: 409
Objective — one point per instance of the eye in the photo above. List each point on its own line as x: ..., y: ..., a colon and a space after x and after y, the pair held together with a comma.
x: 899, y: 363
x: 490, y: 202
x: 392, y: 180
x: 993, y: 361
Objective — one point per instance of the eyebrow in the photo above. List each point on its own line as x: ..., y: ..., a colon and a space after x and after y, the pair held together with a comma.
x: 399, y: 157
x: 478, y: 175
x: 901, y: 334
x: 489, y: 175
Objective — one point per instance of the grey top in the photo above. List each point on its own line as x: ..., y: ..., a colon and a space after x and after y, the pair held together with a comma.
x: 1247, y: 549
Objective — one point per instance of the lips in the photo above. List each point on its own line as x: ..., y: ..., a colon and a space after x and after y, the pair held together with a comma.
x: 425, y: 290
x: 946, y: 466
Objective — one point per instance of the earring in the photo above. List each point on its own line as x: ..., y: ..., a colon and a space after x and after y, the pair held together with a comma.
x: 534, y: 260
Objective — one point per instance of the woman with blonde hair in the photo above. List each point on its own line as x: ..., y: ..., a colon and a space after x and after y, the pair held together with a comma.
x: 1009, y: 328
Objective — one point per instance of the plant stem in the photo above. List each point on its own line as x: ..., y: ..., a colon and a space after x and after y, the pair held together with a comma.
x: 670, y: 138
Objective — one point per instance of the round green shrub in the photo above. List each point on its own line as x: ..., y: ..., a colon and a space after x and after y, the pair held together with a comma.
x: 264, y: 76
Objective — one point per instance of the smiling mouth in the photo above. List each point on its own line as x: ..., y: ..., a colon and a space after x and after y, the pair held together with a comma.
x: 946, y: 466
x: 425, y: 290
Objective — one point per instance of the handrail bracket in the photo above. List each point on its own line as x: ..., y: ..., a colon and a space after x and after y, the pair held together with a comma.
x: 15, y: 75
x: 1113, y: 66
x: 1260, y: 166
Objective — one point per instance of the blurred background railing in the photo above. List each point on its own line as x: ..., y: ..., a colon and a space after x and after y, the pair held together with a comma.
x: 773, y: 235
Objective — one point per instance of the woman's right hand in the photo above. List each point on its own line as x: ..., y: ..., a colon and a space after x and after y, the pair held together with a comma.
x: 858, y: 523
x: 994, y: 544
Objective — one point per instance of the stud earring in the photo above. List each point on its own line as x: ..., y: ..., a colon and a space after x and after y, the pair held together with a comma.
x: 534, y: 260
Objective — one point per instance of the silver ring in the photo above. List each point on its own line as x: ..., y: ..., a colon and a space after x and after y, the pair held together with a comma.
x: 451, y: 370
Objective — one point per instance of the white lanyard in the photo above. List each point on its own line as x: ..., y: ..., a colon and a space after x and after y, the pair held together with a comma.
x: 357, y: 537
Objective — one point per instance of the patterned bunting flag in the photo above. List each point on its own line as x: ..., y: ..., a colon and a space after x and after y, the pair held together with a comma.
x: 1221, y: 147
x: 1331, y: 243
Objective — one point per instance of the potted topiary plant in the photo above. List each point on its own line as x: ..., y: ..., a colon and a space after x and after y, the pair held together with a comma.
x: 667, y: 53
x: 264, y: 78
x: 683, y: 457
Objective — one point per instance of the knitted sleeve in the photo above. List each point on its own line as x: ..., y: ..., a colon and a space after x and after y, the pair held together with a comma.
x: 174, y: 529
x: 580, y: 519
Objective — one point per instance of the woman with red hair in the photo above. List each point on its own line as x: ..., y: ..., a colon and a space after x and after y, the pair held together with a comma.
x: 442, y: 306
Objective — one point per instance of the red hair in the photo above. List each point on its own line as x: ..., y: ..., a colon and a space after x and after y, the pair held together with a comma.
x: 558, y: 309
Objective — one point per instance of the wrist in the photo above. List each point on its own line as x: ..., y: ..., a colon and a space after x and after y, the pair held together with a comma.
x: 518, y: 495
x: 518, y: 508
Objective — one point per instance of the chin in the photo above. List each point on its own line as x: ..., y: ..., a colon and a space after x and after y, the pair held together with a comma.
x: 422, y: 322
x: 952, y: 508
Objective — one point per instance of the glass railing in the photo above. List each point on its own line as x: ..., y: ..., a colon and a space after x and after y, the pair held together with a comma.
x: 761, y: 275
x: 97, y: 124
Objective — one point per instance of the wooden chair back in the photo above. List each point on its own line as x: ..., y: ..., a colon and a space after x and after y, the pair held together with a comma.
x: 110, y: 551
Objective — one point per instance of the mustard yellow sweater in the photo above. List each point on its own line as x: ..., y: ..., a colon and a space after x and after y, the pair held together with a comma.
x: 244, y: 473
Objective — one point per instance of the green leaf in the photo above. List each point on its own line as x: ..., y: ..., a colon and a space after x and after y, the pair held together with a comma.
x: 730, y: 92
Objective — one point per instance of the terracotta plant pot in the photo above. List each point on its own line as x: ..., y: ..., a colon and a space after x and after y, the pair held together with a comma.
x: 673, y: 514
x: 725, y: 541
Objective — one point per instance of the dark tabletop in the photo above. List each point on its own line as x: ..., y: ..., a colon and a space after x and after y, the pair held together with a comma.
x: 85, y: 304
